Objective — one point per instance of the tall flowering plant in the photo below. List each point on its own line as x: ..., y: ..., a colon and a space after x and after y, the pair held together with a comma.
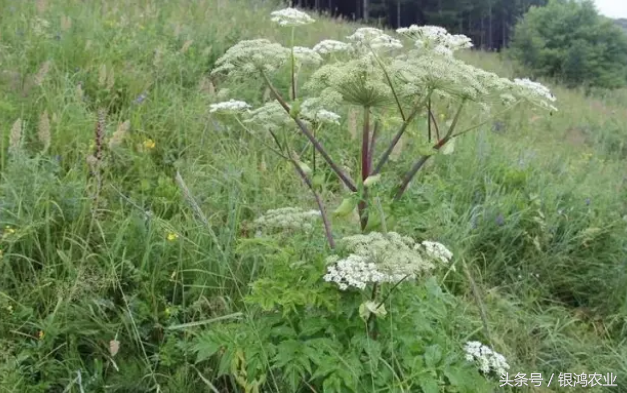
x: 412, y: 72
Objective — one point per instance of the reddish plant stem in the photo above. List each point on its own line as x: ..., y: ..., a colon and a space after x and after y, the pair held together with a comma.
x: 399, y: 134
x: 343, y: 177
x: 323, y: 213
x: 422, y: 160
x: 365, y: 168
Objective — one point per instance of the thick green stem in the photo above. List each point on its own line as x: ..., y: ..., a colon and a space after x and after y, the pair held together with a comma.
x: 422, y: 160
x: 343, y: 177
x: 399, y: 134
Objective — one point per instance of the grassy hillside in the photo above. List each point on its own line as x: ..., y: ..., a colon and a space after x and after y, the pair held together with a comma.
x: 117, y: 276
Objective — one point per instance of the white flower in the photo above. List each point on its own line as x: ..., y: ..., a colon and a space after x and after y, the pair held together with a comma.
x: 331, y: 46
x: 436, y: 39
x: 486, y: 358
x: 305, y: 55
x: 374, y: 39
x: 250, y: 56
x: 535, y: 93
x: 312, y: 110
x: 437, y: 251
x: 325, y: 116
x: 288, y: 218
x: 231, y: 106
x: 269, y: 116
x: 291, y: 17
x: 376, y: 258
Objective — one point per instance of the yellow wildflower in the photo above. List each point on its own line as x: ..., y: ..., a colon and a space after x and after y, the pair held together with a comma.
x: 10, y: 309
x: 149, y: 144
x: 172, y: 236
x: 9, y: 230
x: 41, y: 334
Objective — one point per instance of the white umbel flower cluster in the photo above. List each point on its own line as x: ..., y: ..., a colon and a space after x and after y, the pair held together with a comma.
x: 487, y: 359
x: 355, y: 271
x: 535, y: 93
x: 436, y: 39
x: 288, y: 218
x: 306, y: 56
x: 312, y: 110
x: 291, y: 17
x: 383, y: 258
x: 269, y: 116
x: 437, y: 251
x: 229, y: 107
x: 374, y: 39
x: 326, y: 47
x: 250, y: 56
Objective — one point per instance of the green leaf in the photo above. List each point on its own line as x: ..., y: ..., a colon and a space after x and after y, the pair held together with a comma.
x: 346, y: 207
x: 428, y: 384
x: 449, y: 147
x: 206, y: 347
x: 370, y: 307
x: 433, y: 355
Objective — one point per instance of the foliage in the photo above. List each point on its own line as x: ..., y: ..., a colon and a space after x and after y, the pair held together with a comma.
x: 570, y: 41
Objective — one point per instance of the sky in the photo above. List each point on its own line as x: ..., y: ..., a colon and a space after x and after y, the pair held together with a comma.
x: 612, y: 8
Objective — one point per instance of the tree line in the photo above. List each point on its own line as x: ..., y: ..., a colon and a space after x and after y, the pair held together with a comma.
x: 489, y: 23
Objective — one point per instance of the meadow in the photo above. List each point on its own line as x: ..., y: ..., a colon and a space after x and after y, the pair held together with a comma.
x: 131, y: 260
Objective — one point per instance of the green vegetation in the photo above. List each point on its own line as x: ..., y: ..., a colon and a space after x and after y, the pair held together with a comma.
x: 568, y: 40
x: 131, y: 258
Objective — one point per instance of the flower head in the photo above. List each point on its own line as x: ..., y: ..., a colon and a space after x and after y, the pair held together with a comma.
x: 534, y: 92
x: 269, y: 116
x: 251, y: 56
x: 231, y: 107
x: 369, y: 37
x: 305, y: 55
x: 149, y: 144
x: 435, y: 39
x: 172, y: 236
x: 288, y: 218
x: 326, y: 47
x: 291, y: 17
x: 486, y: 358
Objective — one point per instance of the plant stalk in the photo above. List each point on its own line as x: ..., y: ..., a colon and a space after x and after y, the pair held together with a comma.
x: 422, y: 160
x: 365, y: 168
x: 343, y: 177
x: 399, y: 134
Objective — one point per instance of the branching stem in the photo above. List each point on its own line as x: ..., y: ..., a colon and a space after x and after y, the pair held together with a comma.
x: 343, y: 177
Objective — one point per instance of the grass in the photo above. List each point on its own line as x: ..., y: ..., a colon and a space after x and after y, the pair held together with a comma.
x: 94, y: 258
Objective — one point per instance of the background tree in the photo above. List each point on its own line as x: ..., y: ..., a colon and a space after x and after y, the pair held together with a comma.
x: 487, y: 22
x: 569, y: 40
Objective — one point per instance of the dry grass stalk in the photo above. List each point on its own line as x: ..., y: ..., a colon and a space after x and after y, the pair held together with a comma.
x: 15, y: 137
x: 120, y: 133
x: 43, y: 131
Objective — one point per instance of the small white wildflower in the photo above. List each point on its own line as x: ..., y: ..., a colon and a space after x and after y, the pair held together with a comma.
x: 291, y: 17
x: 331, y: 46
x: 231, y: 106
x: 487, y: 359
